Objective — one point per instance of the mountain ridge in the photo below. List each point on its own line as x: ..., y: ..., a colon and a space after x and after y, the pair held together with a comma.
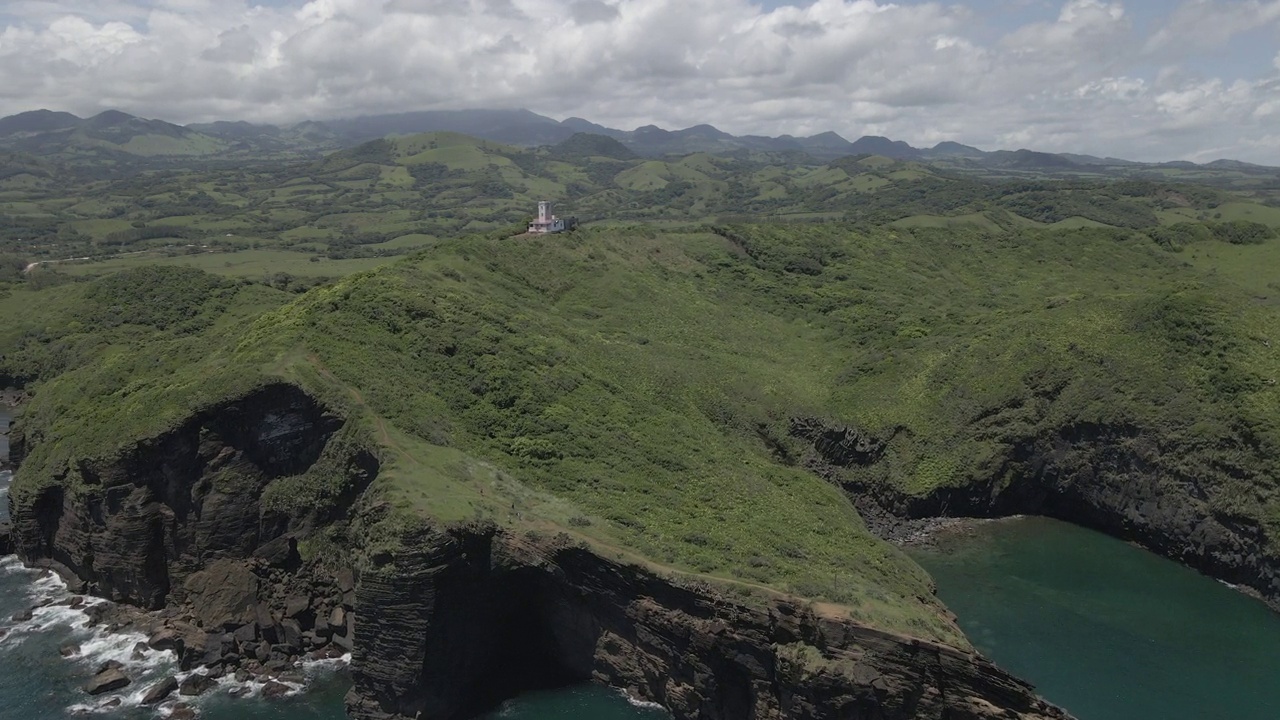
x: 44, y: 132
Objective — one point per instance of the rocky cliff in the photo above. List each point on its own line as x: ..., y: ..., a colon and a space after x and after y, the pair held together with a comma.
x: 180, y: 522
x: 454, y: 617
x: 1120, y: 480
x: 135, y: 527
x: 472, y: 613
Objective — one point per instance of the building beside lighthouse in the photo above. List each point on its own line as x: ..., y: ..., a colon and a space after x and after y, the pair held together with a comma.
x: 546, y: 222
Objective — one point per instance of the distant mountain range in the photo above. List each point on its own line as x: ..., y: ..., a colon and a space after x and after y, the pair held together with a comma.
x: 117, y: 134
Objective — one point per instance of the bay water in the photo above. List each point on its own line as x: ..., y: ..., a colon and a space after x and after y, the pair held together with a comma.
x: 38, y: 683
x: 1105, y: 629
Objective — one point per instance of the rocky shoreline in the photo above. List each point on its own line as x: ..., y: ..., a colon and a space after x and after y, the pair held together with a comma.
x: 201, y: 659
x: 198, y: 569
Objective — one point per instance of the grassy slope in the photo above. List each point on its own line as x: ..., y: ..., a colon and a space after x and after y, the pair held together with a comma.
x: 627, y: 385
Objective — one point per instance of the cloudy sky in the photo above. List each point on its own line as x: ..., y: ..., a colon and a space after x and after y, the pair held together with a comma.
x: 1141, y: 79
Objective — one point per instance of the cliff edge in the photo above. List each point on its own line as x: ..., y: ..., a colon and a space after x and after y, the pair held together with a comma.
x: 474, y: 613
x: 444, y: 620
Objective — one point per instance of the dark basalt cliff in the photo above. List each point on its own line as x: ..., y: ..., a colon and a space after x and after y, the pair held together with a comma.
x: 1115, y: 479
x: 179, y: 523
x: 135, y: 527
x: 457, y: 616
x: 477, y: 612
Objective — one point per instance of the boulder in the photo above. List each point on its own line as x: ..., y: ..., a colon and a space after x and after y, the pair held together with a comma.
x: 265, y: 621
x: 280, y: 553
x: 292, y: 633
x: 345, y: 580
x: 183, y: 712
x: 246, y: 634
x: 344, y: 642
x: 224, y: 594
x: 161, y: 690
x: 23, y: 616
x: 165, y: 639
x: 196, y: 684
x: 110, y: 665
x: 139, y: 650
x: 106, y: 681
x: 296, y: 605
x: 274, y: 689
x: 338, y: 620
x: 69, y: 649
x: 198, y: 649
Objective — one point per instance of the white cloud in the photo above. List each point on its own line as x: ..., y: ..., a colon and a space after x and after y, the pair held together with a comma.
x: 1210, y: 24
x: 1082, y: 81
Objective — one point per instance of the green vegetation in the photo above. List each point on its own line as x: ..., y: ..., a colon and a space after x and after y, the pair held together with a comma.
x: 635, y: 387
x: 360, y: 207
x: 634, y: 383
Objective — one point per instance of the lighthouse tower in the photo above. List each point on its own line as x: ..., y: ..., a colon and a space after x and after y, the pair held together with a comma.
x: 546, y: 221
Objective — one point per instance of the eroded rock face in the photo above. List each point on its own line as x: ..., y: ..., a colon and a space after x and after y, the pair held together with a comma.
x: 459, y: 616
x: 1109, y: 478
x: 477, y: 613
x: 135, y: 528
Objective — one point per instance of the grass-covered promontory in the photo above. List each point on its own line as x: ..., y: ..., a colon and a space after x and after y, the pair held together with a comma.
x: 634, y: 387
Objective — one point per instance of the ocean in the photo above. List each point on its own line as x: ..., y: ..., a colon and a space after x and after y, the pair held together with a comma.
x: 1106, y: 629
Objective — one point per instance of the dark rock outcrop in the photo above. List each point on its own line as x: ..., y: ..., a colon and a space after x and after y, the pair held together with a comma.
x: 6, y: 539
x: 137, y: 527
x: 476, y: 612
x: 1111, y: 478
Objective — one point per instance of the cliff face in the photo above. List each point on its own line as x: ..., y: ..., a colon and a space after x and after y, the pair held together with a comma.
x: 475, y: 612
x: 1110, y: 478
x: 457, y: 617
x: 134, y: 528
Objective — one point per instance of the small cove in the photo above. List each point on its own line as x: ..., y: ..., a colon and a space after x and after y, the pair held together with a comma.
x: 1105, y: 629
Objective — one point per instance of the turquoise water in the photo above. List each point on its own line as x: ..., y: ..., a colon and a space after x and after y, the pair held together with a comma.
x: 1107, y: 630
x: 37, y: 683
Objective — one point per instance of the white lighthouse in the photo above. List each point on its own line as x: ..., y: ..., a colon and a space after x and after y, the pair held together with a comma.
x: 548, y: 222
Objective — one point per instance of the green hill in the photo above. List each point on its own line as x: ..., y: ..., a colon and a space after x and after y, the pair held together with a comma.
x: 641, y: 390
